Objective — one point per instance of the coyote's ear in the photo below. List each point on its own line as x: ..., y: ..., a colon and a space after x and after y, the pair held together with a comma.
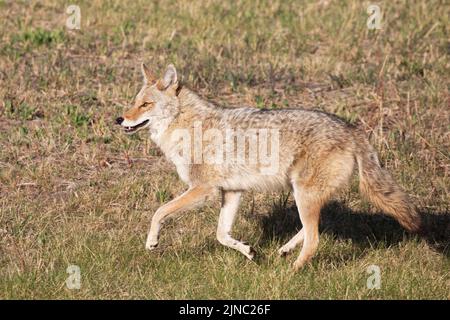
x: 147, y: 74
x: 169, y: 79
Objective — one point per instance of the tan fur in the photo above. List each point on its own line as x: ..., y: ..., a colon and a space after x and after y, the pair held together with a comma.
x: 188, y: 200
x: 378, y: 185
x: 135, y: 112
x: 317, y: 154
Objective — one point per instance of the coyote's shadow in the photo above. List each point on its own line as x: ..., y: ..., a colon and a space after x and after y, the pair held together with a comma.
x: 365, y: 230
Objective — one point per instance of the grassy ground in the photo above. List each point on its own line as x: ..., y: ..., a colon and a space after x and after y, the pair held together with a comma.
x: 75, y: 190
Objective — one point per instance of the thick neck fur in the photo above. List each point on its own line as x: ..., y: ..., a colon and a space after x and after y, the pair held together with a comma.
x: 189, y: 104
x: 190, y: 101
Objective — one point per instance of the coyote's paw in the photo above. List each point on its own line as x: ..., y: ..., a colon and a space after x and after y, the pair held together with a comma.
x: 249, y: 252
x: 299, y: 264
x: 284, y: 252
x: 151, y: 245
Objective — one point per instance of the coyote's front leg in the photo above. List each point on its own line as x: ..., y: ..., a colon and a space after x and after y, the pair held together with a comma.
x: 192, y: 198
x: 230, y: 205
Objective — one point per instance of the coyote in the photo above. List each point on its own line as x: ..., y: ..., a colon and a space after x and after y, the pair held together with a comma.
x: 311, y: 153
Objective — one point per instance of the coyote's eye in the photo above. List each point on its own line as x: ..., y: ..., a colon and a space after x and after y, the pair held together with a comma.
x: 145, y: 104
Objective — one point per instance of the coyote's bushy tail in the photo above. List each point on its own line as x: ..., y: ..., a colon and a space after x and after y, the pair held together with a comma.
x: 381, y: 189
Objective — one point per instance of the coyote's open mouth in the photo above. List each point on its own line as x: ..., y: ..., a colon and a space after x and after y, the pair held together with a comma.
x: 134, y: 128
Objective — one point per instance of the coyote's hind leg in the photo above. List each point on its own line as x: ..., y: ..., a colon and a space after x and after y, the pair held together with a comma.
x: 311, y: 192
x: 309, y: 205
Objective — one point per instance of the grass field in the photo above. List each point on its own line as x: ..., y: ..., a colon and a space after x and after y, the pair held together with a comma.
x: 74, y: 190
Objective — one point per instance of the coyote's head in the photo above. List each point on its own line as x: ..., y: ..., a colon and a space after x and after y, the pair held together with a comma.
x: 156, y: 101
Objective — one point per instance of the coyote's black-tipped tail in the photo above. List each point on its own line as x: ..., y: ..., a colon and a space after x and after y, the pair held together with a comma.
x: 381, y: 189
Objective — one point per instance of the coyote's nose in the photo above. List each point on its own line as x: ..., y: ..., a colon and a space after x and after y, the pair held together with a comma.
x: 119, y: 120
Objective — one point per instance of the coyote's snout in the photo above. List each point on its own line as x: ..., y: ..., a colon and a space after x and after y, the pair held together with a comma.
x: 227, y: 151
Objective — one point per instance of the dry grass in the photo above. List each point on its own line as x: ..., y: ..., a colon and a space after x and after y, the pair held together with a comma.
x: 75, y: 190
